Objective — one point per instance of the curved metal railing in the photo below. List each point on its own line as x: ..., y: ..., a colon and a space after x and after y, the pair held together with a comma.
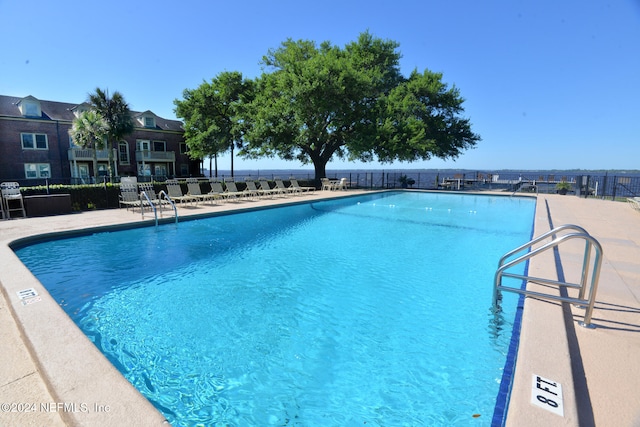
x: 579, y: 233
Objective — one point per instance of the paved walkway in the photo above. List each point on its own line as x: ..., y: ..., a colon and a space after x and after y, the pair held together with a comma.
x: 45, y: 381
x: 599, y: 369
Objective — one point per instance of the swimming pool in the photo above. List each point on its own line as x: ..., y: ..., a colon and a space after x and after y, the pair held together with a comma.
x: 370, y: 309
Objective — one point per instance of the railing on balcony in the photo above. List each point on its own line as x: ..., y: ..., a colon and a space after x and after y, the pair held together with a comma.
x: 155, y: 156
x: 86, y: 154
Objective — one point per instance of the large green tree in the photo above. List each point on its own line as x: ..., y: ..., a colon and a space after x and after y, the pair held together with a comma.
x: 114, y: 110
x: 89, y: 130
x: 214, y: 115
x: 315, y: 103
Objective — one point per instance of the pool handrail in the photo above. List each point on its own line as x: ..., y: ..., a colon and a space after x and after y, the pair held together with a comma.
x: 144, y: 197
x: 580, y: 301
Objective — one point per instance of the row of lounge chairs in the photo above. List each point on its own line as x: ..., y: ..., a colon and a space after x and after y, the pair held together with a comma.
x: 141, y: 195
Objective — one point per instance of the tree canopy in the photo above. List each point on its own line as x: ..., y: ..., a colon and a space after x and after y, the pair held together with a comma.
x: 320, y: 102
x: 314, y: 103
x: 214, y: 115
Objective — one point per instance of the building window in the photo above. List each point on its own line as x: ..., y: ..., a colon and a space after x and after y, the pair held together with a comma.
x: 123, y: 153
x: 183, y: 148
x: 144, y: 170
x: 37, y: 170
x: 142, y: 145
x: 34, y: 141
x: 184, y: 170
x: 30, y: 107
x: 159, y: 146
x: 149, y: 122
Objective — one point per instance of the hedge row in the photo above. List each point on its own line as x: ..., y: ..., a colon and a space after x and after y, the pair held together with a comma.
x: 102, y: 196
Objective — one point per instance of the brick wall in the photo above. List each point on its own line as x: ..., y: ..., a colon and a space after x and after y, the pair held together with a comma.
x: 13, y: 157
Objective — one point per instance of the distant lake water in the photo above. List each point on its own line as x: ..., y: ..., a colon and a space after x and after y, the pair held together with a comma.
x: 605, y: 183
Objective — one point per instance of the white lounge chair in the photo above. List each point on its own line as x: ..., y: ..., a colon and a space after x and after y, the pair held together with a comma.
x: 175, y: 193
x: 11, y: 193
x: 341, y: 185
x: 251, y: 187
x: 193, y: 189
x: 217, y: 190
x: 151, y: 196
x: 283, y: 188
x: 294, y: 184
x: 129, y: 196
x: 232, y: 190
x: 266, y: 189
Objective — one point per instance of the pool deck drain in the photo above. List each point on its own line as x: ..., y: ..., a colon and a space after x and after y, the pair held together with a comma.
x: 51, y: 375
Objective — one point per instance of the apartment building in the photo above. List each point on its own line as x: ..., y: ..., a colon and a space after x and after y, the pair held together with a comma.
x: 35, y: 145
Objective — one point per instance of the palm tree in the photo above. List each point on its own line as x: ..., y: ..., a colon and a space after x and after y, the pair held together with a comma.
x: 115, y: 112
x: 89, y: 130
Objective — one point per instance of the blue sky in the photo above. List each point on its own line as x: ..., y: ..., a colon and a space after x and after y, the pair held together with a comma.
x: 548, y: 84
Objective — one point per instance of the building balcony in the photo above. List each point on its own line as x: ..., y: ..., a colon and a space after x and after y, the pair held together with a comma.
x: 155, y: 156
x: 86, y: 154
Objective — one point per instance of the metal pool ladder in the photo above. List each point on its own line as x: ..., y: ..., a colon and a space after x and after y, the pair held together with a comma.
x: 145, y: 197
x: 577, y: 232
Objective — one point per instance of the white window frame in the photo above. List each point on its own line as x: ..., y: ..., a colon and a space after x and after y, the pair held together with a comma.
x: 149, y: 121
x: 30, y: 108
x: 124, y: 160
x: 143, y: 145
x: 34, y: 137
x: 37, y: 170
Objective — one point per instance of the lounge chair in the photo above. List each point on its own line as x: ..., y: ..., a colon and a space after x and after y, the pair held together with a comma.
x: 175, y: 193
x: 151, y: 196
x: 232, y: 190
x: 217, y: 190
x: 129, y: 196
x: 11, y: 193
x: 266, y: 189
x: 193, y: 190
x: 341, y: 185
x: 252, y: 189
x: 634, y: 202
x: 285, y: 190
x: 294, y: 184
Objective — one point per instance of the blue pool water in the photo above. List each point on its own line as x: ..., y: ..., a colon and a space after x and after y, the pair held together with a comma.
x: 372, y: 309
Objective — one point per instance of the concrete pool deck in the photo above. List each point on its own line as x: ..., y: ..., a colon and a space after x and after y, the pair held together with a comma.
x: 50, y: 374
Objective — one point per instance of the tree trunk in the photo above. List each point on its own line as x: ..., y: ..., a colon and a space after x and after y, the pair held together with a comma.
x: 111, y: 161
x: 320, y: 167
x: 95, y: 163
x: 232, y: 161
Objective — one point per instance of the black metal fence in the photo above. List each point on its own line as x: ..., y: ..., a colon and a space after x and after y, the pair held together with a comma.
x: 585, y: 185
x: 604, y: 186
